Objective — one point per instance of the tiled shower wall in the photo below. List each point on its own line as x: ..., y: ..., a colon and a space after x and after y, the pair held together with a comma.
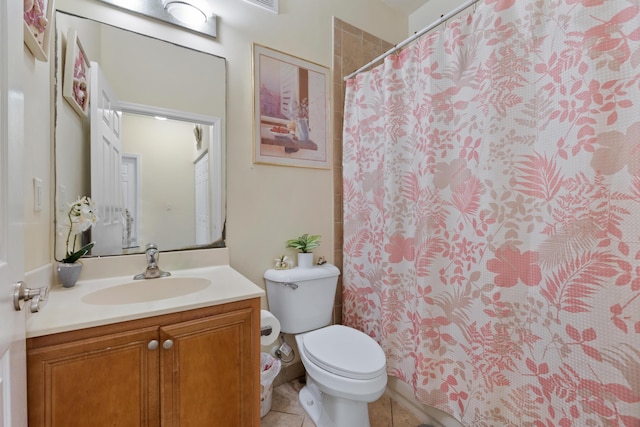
x: 352, y: 48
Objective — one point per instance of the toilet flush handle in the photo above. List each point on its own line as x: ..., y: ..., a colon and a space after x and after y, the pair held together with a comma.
x: 291, y: 285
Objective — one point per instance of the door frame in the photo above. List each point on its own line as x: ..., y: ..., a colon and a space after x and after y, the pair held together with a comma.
x: 134, y: 160
x: 217, y: 174
x: 13, y: 378
x: 202, y: 202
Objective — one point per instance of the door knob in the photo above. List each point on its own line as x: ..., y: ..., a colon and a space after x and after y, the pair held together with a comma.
x: 167, y: 344
x: 38, y: 301
x: 153, y: 344
x: 37, y: 296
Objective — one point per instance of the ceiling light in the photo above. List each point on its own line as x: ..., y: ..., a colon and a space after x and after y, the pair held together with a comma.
x: 185, y: 12
x: 206, y: 24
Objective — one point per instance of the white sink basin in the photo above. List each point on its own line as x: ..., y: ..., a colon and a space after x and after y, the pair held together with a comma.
x: 146, y: 290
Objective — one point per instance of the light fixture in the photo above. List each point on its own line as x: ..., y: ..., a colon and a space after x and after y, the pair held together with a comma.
x: 174, y: 12
x: 185, y: 12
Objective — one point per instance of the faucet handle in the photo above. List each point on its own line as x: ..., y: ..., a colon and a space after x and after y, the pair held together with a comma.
x: 152, y: 255
x: 153, y: 271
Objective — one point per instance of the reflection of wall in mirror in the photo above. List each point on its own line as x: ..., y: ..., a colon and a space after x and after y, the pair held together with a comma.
x: 168, y: 196
x: 136, y: 75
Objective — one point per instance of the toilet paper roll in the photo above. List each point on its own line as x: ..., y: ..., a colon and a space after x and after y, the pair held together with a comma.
x: 268, y: 320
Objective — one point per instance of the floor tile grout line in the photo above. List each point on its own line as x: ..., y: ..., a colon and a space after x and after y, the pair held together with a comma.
x: 392, y: 411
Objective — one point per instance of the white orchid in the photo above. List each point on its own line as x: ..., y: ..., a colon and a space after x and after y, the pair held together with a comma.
x: 80, y: 218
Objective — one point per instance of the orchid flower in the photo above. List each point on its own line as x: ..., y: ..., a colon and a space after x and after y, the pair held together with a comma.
x: 80, y: 218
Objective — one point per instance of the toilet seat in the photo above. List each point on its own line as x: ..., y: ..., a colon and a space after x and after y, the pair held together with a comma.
x: 346, y: 352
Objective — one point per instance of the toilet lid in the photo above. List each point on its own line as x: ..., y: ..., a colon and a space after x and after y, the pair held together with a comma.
x: 346, y: 352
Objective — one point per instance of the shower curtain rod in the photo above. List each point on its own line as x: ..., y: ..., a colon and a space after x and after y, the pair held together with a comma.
x: 415, y: 36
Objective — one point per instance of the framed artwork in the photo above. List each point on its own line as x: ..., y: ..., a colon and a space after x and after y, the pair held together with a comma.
x: 75, y: 88
x: 291, y: 110
x: 37, y: 27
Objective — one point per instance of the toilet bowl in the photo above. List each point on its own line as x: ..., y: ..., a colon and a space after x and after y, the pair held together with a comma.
x: 345, y: 368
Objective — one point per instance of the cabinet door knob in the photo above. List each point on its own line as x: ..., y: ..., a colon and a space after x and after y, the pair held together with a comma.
x: 153, y: 344
x: 167, y: 344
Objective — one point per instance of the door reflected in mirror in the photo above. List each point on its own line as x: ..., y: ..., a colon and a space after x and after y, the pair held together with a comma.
x: 163, y: 181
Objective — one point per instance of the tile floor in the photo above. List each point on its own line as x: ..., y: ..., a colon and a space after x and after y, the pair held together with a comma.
x: 287, y: 412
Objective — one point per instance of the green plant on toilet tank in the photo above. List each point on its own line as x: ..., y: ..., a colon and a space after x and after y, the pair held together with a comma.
x: 304, y: 243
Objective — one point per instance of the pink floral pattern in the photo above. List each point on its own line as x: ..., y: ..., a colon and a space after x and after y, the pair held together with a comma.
x: 491, y: 213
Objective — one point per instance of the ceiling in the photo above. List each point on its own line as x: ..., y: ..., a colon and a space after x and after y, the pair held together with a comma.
x: 405, y: 6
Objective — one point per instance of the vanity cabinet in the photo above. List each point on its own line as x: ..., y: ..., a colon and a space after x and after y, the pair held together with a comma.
x: 194, y: 368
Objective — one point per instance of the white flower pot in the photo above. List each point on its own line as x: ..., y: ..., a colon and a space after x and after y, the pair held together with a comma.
x: 305, y: 260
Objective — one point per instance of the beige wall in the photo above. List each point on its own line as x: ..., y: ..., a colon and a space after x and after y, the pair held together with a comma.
x: 430, y: 13
x: 266, y: 205
x: 168, y: 195
x: 37, y: 161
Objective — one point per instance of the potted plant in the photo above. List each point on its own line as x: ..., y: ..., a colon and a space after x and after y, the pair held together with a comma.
x: 304, y: 245
x: 80, y: 217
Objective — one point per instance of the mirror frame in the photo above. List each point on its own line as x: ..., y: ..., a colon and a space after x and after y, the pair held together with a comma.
x: 217, y: 187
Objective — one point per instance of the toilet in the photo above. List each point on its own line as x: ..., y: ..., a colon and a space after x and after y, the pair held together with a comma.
x: 346, y: 369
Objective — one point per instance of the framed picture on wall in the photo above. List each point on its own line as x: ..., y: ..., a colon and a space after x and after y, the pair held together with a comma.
x: 291, y: 110
x: 37, y: 27
x: 75, y: 87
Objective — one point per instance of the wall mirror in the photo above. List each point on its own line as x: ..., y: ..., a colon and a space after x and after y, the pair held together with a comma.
x: 163, y: 181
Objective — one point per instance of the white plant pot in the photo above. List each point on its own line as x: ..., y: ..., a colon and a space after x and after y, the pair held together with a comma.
x: 305, y: 260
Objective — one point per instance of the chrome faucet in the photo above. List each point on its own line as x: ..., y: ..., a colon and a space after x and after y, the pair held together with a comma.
x: 152, y: 271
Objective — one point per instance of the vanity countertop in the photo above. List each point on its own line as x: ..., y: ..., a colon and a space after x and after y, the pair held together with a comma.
x: 84, y: 305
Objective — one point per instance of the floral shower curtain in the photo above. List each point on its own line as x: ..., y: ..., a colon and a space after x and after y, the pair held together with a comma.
x: 492, y: 213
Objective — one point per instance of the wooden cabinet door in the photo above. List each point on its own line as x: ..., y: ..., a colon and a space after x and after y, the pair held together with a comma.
x: 210, y: 371
x: 110, y: 380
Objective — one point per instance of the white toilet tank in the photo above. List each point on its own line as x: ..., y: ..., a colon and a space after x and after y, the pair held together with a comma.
x: 302, y: 298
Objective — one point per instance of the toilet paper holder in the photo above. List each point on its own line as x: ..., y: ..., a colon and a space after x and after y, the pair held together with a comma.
x: 269, y: 328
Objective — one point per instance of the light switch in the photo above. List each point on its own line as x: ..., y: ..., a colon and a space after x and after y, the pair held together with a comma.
x: 37, y: 194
